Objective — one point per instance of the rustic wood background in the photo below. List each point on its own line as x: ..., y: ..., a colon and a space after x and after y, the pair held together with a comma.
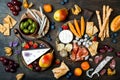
x: 47, y: 75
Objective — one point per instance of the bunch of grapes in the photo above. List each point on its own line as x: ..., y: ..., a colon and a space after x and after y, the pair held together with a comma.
x: 15, y: 6
x: 10, y: 65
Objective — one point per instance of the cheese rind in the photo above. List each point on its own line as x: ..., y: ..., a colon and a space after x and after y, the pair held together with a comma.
x: 65, y: 36
x: 31, y: 55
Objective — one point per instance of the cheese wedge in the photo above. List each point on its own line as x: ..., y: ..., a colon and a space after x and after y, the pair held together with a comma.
x: 31, y: 55
x: 93, y: 48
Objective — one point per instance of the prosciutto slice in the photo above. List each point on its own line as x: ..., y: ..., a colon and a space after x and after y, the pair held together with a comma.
x: 78, y: 53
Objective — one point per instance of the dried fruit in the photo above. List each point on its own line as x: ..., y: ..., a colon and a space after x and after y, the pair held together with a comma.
x: 8, y: 51
x: 85, y: 65
x: 26, y: 4
x: 77, y: 71
x: 47, y: 8
x: 77, y: 10
x: 111, y: 72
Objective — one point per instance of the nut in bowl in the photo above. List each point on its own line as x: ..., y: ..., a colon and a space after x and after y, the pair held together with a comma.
x: 28, y: 26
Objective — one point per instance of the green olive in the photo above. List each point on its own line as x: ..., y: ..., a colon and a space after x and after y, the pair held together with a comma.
x: 32, y: 30
x: 29, y: 27
x: 34, y: 25
x: 30, y: 21
x: 22, y: 25
x: 26, y: 31
x: 26, y: 24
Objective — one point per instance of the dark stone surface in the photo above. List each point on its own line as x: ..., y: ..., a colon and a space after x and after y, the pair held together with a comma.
x: 47, y: 75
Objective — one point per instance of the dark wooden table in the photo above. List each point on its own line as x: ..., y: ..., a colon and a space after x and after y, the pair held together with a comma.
x: 47, y: 75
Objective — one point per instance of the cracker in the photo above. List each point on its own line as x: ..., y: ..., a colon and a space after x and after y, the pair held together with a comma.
x: 9, y: 20
x: 93, y: 48
x: 2, y: 28
x: 89, y: 28
x: 7, y: 31
x: 95, y: 30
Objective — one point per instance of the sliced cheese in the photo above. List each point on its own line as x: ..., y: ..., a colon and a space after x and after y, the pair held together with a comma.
x: 93, y: 48
x: 31, y: 55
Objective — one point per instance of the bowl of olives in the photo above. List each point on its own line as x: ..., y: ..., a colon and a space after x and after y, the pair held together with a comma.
x: 28, y: 26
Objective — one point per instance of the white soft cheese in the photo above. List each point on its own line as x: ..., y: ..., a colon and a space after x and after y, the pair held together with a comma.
x: 65, y: 36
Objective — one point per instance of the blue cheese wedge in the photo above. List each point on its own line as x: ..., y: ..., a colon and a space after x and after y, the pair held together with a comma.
x: 31, y: 55
x: 65, y: 36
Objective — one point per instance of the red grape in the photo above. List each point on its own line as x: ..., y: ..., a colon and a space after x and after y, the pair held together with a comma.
x: 13, y: 8
x: 11, y: 62
x: 106, y: 47
x: 102, y: 50
x: 12, y: 70
x: 14, y: 2
x: 9, y: 4
x: 11, y: 66
x: 37, y: 68
x: 19, y: 3
x: 16, y: 65
x: 35, y: 63
x: 2, y: 58
x: 5, y: 62
x: 15, y: 13
x: 7, y: 69
x: 17, y: 8
x: 110, y: 49
x: 118, y: 54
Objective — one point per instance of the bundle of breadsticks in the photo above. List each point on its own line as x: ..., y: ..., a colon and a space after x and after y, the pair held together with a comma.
x: 104, y: 22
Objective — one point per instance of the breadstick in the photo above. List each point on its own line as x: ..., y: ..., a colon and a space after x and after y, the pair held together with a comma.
x: 107, y: 26
x: 99, y: 19
x: 105, y: 22
x: 104, y: 15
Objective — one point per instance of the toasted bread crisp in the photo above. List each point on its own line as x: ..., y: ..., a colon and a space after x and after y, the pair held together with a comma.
x: 9, y: 20
x: 60, y: 71
x: 93, y: 48
x: 7, y: 31
x: 2, y: 28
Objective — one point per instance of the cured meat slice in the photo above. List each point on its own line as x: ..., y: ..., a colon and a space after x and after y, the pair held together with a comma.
x: 75, y: 47
x: 78, y: 52
x: 82, y: 52
x: 103, y: 72
x: 113, y: 64
x: 73, y: 55
x: 98, y: 59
